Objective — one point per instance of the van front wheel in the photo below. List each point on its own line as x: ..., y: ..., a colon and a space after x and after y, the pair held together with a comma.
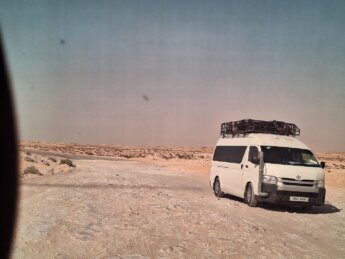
x: 216, y: 188
x: 249, y: 196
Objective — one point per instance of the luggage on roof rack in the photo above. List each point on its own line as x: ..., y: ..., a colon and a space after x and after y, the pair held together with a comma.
x: 244, y: 127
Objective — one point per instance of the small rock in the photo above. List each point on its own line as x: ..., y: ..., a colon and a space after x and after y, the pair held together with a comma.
x: 255, y: 228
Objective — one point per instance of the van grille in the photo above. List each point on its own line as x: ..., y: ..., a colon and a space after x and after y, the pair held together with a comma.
x: 291, y: 181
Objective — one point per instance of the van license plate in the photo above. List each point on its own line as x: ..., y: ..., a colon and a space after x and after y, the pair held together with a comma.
x: 303, y: 199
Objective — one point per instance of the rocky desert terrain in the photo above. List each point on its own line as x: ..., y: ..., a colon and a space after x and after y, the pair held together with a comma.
x: 93, y: 201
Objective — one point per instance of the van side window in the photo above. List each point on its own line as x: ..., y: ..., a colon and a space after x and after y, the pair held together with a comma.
x: 230, y: 154
x: 253, y: 152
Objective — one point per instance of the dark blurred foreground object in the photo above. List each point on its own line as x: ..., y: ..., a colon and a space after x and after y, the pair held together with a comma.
x: 8, y: 162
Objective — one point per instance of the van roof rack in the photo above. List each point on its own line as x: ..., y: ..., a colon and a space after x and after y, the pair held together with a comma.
x: 244, y: 127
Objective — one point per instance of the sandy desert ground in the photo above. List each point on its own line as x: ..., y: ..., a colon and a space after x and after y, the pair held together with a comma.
x: 140, y: 202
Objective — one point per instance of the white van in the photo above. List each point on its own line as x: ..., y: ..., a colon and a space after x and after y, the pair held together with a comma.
x: 266, y: 164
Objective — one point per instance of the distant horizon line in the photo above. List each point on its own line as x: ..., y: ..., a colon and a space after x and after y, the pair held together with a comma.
x: 148, y: 146
x: 123, y: 145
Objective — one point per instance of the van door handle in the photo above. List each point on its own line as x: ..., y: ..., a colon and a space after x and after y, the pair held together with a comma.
x: 241, y: 166
x: 220, y: 166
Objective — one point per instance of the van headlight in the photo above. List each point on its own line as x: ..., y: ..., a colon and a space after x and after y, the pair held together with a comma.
x: 269, y: 179
x: 320, y: 183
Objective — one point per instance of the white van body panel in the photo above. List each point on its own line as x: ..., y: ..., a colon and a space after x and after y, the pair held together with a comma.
x: 232, y: 182
x: 263, y: 139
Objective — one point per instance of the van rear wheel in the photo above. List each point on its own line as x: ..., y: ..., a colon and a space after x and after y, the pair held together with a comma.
x: 217, y: 189
x: 249, y: 196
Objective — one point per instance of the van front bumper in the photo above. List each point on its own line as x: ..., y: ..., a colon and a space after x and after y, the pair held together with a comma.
x: 283, y: 196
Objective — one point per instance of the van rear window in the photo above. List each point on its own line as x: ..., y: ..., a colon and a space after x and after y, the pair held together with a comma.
x: 230, y: 154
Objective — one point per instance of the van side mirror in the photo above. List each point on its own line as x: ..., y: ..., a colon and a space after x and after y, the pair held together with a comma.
x: 261, y: 158
x: 323, y: 165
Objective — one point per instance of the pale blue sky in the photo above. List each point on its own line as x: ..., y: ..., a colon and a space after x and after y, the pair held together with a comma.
x: 80, y: 69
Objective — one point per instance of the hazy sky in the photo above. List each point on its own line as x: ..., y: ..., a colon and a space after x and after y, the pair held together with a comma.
x: 169, y: 72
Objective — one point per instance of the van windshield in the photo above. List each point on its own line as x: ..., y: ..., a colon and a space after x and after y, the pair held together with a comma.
x: 289, y: 156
